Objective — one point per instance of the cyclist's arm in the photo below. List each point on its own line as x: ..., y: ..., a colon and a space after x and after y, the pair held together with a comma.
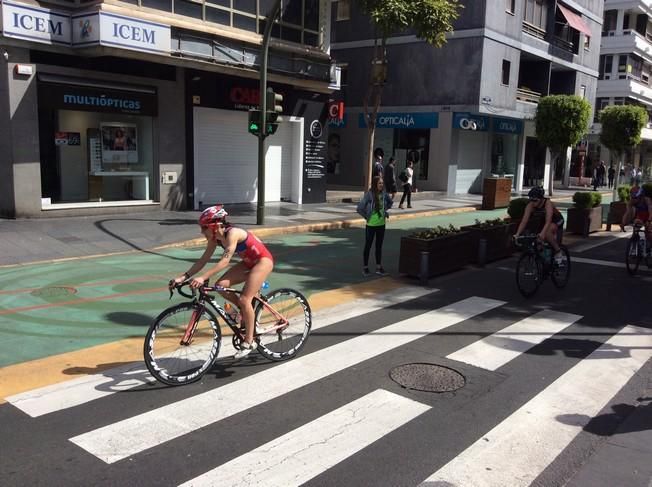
x: 229, y: 252
x: 202, y: 261
x: 524, y: 220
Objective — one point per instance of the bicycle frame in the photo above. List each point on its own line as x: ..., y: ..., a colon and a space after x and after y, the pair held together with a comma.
x: 205, y: 298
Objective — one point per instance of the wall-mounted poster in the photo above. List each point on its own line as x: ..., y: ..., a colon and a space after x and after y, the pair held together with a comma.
x: 119, y: 143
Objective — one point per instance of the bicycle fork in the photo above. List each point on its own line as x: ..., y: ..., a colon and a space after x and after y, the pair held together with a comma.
x: 191, y: 326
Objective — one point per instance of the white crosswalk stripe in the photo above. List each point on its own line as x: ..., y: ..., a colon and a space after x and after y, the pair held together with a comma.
x: 131, y: 436
x: 497, y: 349
x: 81, y: 390
x: 304, y: 453
x: 519, y: 448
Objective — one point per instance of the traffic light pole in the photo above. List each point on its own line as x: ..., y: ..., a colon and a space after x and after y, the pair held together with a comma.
x: 271, y: 17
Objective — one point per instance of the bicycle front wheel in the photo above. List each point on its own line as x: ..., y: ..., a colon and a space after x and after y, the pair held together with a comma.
x: 632, y: 257
x: 529, y: 274
x: 561, y: 270
x: 175, y: 358
x: 283, y: 323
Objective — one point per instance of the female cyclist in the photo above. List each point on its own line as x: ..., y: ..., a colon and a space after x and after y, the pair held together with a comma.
x: 257, y: 263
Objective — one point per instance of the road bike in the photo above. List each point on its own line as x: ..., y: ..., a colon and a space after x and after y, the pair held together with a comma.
x: 184, y: 341
x: 638, y: 249
x: 537, y: 263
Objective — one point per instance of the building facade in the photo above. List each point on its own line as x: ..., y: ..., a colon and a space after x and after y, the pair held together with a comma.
x: 625, y: 70
x: 111, y: 105
x: 465, y: 111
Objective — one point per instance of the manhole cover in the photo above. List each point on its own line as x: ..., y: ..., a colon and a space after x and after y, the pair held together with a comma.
x: 427, y: 377
x: 54, y: 291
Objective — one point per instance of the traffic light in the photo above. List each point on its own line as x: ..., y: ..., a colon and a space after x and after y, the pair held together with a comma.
x: 274, y: 102
x: 254, y: 122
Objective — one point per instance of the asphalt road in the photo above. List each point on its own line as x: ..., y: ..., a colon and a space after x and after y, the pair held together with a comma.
x: 546, y: 381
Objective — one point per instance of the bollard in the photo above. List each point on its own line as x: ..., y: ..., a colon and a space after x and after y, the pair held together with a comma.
x: 482, y: 252
x: 423, y: 268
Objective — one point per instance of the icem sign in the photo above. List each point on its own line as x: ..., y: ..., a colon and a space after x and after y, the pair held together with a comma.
x: 35, y: 24
x: 467, y: 121
x: 118, y: 31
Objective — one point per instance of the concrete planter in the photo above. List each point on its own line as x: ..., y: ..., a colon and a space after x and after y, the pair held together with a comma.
x: 617, y: 210
x: 445, y: 254
x: 584, y: 221
x: 498, y: 238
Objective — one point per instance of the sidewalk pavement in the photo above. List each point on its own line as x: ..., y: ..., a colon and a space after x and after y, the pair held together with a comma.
x: 26, y: 241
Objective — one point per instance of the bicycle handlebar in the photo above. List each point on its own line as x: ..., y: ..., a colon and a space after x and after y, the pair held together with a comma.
x: 202, y: 290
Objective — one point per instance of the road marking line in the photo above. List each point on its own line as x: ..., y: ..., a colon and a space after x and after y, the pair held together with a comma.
x: 516, y: 451
x: 120, y: 440
x: 50, y: 396
x: 599, y: 241
x: 496, y: 350
x: 304, y: 453
x: 607, y: 263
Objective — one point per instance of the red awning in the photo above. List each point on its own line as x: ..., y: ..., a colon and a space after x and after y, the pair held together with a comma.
x: 574, y: 20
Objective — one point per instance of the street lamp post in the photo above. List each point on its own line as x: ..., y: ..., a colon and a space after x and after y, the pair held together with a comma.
x: 271, y: 17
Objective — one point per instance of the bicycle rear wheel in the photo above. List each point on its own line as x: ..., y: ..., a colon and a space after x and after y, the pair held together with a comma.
x: 632, y: 257
x: 281, y: 343
x: 172, y: 362
x: 561, y: 271
x: 529, y: 274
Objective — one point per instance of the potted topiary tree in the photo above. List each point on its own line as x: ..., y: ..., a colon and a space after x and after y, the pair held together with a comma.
x: 586, y: 216
x: 617, y: 208
x: 448, y: 249
x: 497, y: 234
x: 515, y: 211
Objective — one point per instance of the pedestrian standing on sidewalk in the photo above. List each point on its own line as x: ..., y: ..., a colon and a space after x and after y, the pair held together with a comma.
x: 390, y: 178
x: 379, y: 169
x: 611, y: 174
x: 407, y: 187
x: 374, y: 207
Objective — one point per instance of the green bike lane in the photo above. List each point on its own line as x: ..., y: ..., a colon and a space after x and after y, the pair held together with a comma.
x: 54, y: 308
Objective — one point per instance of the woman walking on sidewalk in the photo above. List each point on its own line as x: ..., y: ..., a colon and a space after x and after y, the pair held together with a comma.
x: 373, y: 207
x: 407, y: 186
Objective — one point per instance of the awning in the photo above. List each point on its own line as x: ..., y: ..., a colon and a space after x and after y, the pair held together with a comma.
x: 574, y: 20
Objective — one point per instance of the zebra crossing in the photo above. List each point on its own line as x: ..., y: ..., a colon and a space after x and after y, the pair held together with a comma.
x: 353, y: 422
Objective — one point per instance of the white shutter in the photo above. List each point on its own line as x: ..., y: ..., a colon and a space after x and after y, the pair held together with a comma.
x: 226, y: 159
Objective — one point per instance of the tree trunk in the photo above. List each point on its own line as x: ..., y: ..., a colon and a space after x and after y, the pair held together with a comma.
x: 373, y: 95
x: 617, y: 182
x: 554, y: 155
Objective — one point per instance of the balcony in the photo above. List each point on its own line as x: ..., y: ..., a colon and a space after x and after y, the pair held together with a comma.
x: 534, y: 31
x: 629, y: 41
x: 528, y: 96
x: 625, y: 88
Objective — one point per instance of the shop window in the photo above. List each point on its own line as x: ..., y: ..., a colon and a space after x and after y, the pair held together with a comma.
x: 413, y: 145
x: 504, y: 154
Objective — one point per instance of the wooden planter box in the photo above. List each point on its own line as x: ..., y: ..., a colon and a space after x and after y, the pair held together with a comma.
x: 499, y: 241
x: 584, y: 221
x: 446, y: 254
x: 496, y: 193
x: 617, y: 210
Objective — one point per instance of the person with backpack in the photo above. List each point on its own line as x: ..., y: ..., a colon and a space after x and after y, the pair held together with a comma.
x: 406, y: 179
x: 390, y: 178
x: 379, y: 169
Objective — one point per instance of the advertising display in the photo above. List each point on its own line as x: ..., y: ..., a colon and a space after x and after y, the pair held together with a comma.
x: 119, y: 143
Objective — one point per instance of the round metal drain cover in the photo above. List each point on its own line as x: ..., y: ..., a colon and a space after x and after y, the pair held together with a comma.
x: 427, y: 377
x: 54, y: 291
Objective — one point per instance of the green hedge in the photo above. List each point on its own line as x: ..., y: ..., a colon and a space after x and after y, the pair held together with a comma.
x: 587, y: 199
x: 436, y: 232
x: 623, y: 192
x: 516, y: 208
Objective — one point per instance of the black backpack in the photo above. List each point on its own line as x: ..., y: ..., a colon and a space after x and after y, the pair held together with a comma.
x: 403, y: 176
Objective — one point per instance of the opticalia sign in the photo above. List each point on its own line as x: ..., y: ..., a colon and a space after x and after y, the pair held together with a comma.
x: 508, y: 126
x: 35, y: 24
x: 419, y: 120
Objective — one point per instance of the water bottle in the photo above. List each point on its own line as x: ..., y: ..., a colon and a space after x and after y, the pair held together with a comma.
x: 547, y: 253
x: 265, y: 285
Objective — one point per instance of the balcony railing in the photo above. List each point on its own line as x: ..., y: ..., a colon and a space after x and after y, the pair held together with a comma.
x: 527, y: 95
x: 534, y: 30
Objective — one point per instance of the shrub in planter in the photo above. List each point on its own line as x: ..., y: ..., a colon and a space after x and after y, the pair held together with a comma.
x: 617, y: 208
x: 516, y: 208
x: 448, y: 248
x: 498, y: 236
x: 586, y: 216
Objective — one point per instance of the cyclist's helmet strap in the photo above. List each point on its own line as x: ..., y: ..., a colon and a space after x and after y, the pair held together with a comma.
x: 536, y: 193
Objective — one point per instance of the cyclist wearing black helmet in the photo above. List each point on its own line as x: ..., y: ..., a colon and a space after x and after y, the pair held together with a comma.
x: 540, y: 205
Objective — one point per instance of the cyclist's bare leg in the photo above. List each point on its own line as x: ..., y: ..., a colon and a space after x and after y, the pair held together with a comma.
x: 255, y: 278
x: 551, y: 237
x: 235, y: 275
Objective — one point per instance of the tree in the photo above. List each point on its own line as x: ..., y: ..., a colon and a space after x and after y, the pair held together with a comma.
x: 621, y: 130
x: 429, y: 19
x: 561, y: 121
